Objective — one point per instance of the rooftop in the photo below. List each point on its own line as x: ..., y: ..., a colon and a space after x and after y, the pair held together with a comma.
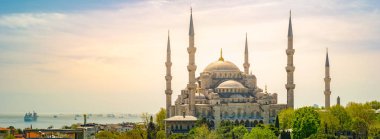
x: 182, y: 118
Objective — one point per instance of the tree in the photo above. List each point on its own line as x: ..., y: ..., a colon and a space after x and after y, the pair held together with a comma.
x: 161, y: 134
x: 106, y: 135
x: 138, y: 132
x: 374, y: 104
x: 145, y: 118
x: 260, y: 133
x: 201, y: 121
x: 277, y: 123
x: 329, y: 123
x: 239, y: 132
x: 343, y: 117
x: 160, y: 117
x: 360, y: 126
x: 151, y: 130
x: 9, y: 137
x: 306, y: 122
x: 358, y: 110
x: 225, y: 129
x: 202, y: 132
x: 286, y: 118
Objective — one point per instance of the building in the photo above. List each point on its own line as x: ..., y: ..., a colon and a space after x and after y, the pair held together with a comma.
x: 224, y: 92
x: 4, y: 132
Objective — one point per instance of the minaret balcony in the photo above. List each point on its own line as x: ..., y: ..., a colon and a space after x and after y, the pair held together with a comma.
x: 290, y: 86
x: 290, y: 51
x: 328, y: 79
x: 191, y: 50
x: 191, y: 67
x: 167, y: 77
x: 290, y: 68
x: 168, y: 64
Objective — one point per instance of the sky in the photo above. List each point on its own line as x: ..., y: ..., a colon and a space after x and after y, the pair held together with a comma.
x: 98, y: 56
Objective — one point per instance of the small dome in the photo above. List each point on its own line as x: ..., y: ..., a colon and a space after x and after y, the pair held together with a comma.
x: 230, y: 84
x: 221, y: 65
x: 200, y: 96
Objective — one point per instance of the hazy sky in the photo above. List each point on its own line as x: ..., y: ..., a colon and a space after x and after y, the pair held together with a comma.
x: 69, y: 56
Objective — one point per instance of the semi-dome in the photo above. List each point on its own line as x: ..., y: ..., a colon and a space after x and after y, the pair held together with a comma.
x: 230, y: 84
x: 221, y: 66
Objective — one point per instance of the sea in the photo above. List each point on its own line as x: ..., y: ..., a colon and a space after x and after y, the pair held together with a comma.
x: 57, y: 121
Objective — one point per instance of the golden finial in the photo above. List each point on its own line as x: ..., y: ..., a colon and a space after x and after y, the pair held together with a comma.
x: 221, y: 55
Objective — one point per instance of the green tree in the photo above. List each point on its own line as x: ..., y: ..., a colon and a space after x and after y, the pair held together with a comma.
x: 358, y: 110
x: 151, y: 131
x: 360, y: 126
x: 161, y: 134
x: 374, y: 104
x: 160, y: 117
x: 178, y: 136
x: 225, y: 129
x: 277, y: 123
x: 329, y: 123
x: 286, y: 118
x: 9, y: 137
x: 322, y: 136
x: 306, y: 122
x: 145, y: 118
x: 202, y: 132
x: 138, y: 132
x: 106, y: 135
x: 343, y: 117
x: 238, y: 132
x: 260, y: 133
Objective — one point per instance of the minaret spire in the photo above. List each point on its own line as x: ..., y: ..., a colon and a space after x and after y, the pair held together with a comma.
x: 246, y: 63
x: 290, y: 30
x: 191, y: 67
x: 168, y: 79
x: 191, y: 29
x: 327, y: 81
x: 290, y: 67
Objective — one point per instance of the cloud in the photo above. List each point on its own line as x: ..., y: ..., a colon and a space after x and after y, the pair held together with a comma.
x: 30, y: 20
x: 121, y: 50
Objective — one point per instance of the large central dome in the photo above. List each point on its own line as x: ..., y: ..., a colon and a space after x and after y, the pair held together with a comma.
x: 221, y: 65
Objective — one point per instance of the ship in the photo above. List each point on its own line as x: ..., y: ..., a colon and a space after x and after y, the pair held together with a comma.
x: 30, y: 117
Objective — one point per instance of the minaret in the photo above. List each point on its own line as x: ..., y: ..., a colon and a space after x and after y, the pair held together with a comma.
x: 168, y: 79
x: 290, y: 67
x: 246, y: 63
x: 327, y: 81
x: 191, y: 86
x: 338, y: 101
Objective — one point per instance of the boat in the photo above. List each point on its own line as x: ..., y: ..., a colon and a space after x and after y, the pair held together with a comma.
x: 30, y: 117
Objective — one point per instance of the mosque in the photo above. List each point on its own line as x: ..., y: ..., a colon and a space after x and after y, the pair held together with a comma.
x: 223, y: 92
